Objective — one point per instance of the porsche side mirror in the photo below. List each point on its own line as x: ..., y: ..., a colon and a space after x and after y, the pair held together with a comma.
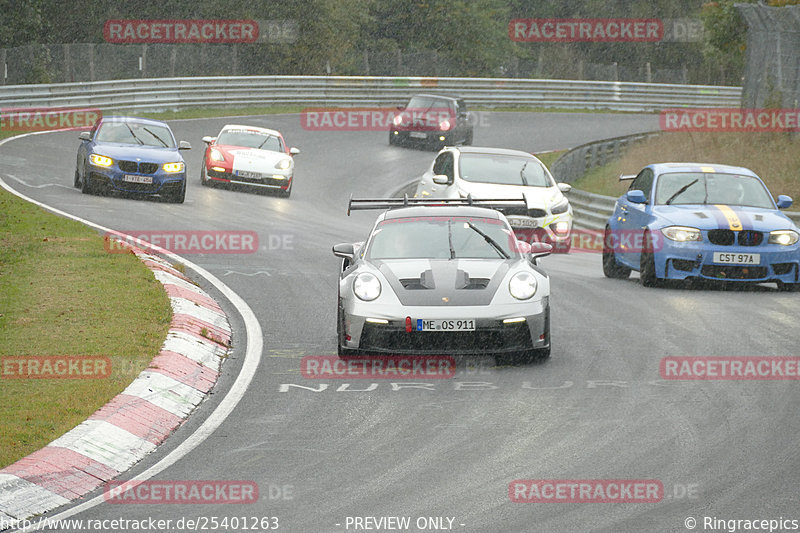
x: 636, y: 196
x: 784, y: 201
x: 441, y: 179
x: 540, y: 249
x: 344, y: 250
x: 85, y: 136
x: 208, y: 139
x: 184, y: 145
x: 294, y: 151
x: 524, y: 247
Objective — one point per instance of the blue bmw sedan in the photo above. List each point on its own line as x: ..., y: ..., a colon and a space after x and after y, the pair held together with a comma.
x: 702, y: 221
x: 131, y: 155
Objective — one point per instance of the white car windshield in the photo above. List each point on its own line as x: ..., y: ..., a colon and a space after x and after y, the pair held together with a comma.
x: 682, y: 188
x: 504, y: 170
x: 441, y: 238
x: 250, y: 139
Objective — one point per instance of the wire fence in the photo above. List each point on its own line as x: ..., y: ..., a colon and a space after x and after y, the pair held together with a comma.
x: 772, y: 68
x: 78, y: 62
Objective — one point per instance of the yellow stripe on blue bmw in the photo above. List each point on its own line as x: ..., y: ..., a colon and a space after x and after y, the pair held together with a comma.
x: 734, y: 223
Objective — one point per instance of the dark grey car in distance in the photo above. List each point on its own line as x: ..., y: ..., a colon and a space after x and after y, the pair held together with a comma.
x: 432, y: 121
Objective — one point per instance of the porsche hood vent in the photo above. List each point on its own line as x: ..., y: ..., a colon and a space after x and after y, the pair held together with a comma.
x: 425, y: 281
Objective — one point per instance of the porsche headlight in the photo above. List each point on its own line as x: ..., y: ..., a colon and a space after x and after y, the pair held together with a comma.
x: 560, y: 207
x: 178, y: 166
x: 522, y: 285
x: 785, y: 237
x: 367, y: 286
x: 397, y: 120
x: 444, y: 125
x: 682, y: 233
x: 101, y: 160
x: 216, y: 155
x: 283, y: 164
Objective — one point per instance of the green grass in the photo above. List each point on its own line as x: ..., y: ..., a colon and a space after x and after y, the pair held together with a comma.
x: 533, y: 109
x: 206, y: 112
x: 548, y: 158
x: 61, y: 293
x: 775, y: 157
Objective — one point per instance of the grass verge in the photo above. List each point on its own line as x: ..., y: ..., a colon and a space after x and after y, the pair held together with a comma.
x: 775, y: 157
x: 61, y: 293
x: 548, y: 158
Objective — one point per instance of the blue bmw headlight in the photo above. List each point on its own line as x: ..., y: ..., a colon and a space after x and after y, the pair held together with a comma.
x: 682, y: 233
x: 101, y: 160
x: 785, y: 237
x: 173, y: 167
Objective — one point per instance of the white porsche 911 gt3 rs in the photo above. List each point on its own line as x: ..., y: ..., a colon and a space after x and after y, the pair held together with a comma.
x: 443, y: 279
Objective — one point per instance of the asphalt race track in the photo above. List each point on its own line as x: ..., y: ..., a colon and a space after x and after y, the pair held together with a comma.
x: 597, y: 409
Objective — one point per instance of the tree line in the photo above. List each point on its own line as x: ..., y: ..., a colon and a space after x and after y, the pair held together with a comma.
x: 472, y: 36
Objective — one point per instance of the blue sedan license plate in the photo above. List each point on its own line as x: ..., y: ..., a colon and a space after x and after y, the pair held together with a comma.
x: 445, y: 325
x: 130, y: 178
x: 737, y: 259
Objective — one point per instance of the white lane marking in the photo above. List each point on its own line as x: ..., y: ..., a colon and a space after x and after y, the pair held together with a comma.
x: 229, y: 272
x: 252, y: 358
x: 32, y: 186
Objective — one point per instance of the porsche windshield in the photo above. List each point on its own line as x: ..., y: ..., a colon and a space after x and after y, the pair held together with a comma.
x: 135, y: 133
x: 441, y: 238
x: 250, y: 139
x: 682, y: 188
x: 503, y: 170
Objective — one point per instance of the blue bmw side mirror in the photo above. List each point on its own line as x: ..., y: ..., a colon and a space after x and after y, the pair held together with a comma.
x: 636, y: 196
x: 784, y: 201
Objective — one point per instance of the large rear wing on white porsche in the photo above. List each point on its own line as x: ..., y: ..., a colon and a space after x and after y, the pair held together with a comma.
x: 356, y: 204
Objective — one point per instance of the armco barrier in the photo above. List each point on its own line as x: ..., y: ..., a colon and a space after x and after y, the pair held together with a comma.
x: 174, y: 93
x: 591, y: 211
x: 576, y: 162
